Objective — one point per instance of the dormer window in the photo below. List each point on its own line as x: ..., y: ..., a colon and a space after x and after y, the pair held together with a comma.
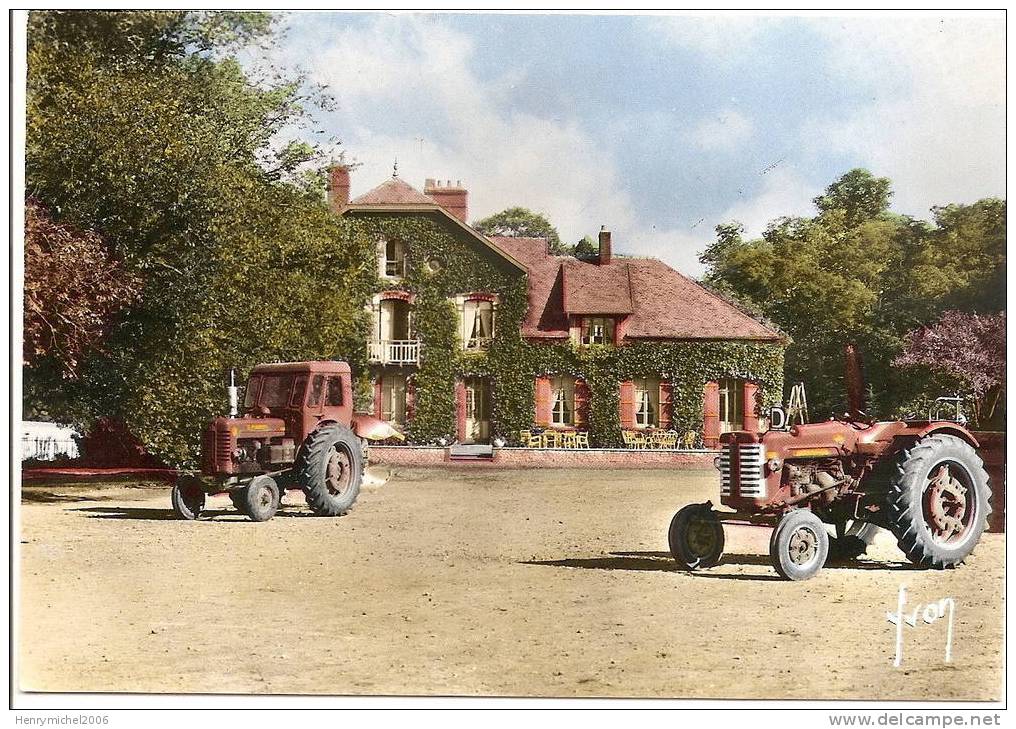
x: 395, y: 259
x: 597, y: 330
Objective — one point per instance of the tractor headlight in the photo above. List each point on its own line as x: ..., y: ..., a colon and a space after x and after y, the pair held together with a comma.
x: 716, y: 463
x: 774, y: 465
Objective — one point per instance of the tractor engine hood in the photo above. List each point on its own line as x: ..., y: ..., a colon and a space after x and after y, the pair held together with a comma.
x: 251, y: 427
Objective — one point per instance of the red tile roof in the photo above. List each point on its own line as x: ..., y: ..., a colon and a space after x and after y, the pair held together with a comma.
x: 660, y: 302
x: 593, y: 289
x: 545, y: 318
x: 670, y: 305
x: 393, y: 192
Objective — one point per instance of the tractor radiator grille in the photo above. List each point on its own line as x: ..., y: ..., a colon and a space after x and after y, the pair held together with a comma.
x: 749, y: 462
x: 725, y: 470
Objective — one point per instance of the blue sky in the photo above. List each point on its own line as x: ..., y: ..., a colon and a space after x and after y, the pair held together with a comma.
x: 661, y: 127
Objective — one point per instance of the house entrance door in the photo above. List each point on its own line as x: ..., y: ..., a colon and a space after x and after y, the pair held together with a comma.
x: 477, y: 410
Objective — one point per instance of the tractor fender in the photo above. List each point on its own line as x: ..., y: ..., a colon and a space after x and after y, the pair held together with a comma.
x: 949, y: 429
x: 368, y: 427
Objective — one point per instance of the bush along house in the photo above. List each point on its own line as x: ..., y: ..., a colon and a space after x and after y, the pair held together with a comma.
x: 478, y: 339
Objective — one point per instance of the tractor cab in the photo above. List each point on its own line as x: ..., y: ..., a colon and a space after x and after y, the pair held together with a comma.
x: 301, y: 394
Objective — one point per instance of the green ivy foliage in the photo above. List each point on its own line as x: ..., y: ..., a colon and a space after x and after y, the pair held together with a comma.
x: 512, y: 363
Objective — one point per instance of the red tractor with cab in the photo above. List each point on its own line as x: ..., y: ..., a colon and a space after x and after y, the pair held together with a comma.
x: 825, y: 488
x: 297, y: 431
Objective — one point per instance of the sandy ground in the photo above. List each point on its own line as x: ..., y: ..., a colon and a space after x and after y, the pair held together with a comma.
x: 538, y: 583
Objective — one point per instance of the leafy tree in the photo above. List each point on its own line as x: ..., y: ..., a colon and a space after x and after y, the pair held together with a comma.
x: 585, y: 248
x: 855, y: 273
x: 521, y: 223
x: 73, y: 291
x: 970, y: 349
x: 143, y: 127
x: 858, y: 194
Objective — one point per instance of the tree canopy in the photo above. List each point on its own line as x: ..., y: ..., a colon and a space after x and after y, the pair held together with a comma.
x: 73, y: 291
x: 857, y: 273
x: 144, y: 128
x: 521, y: 223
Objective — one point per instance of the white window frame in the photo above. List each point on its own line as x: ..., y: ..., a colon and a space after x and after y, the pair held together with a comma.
x: 731, y: 403
x: 597, y: 330
x: 473, y: 311
x: 393, y: 263
x: 647, y: 403
x: 562, y: 403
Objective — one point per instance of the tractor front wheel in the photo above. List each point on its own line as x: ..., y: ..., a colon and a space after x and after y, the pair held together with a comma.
x: 261, y: 498
x: 330, y: 469
x: 696, y: 537
x: 799, y: 545
x: 188, y: 498
x: 939, y: 501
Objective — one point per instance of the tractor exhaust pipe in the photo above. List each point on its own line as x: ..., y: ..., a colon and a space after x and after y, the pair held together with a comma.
x: 233, y: 390
x: 855, y: 382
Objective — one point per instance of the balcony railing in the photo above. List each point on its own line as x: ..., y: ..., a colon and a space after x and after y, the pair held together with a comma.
x: 398, y: 351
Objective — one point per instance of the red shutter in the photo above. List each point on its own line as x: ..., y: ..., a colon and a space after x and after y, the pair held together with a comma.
x: 750, y: 407
x: 410, y: 398
x: 627, y: 408
x: 711, y: 415
x: 544, y: 398
x: 666, y: 404
x: 581, y: 403
x: 378, y: 395
x: 460, y: 411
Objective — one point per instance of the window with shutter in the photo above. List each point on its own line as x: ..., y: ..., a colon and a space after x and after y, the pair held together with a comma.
x: 581, y: 403
x: 543, y: 401
x: 627, y: 405
x: 666, y: 404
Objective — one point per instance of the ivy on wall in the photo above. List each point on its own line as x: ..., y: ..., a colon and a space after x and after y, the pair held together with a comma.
x: 512, y: 363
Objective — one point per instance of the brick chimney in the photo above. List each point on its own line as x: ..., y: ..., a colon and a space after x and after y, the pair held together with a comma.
x: 604, y: 257
x: 338, y: 187
x: 453, y: 198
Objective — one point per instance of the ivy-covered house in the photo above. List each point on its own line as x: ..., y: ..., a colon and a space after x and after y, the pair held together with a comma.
x: 475, y: 338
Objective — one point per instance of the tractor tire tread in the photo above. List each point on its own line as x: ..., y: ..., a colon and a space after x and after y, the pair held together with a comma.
x: 907, y: 519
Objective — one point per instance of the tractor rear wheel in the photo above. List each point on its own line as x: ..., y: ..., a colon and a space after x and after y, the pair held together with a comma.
x: 188, y: 498
x: 799, y: 545
x: 939, y: 501
x: 696, y: 537
x: 261, y: 498
x: 330, y: 469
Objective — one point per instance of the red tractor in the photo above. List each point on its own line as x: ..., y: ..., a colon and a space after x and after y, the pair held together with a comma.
x: 824, y: 488
x: 297, y: 431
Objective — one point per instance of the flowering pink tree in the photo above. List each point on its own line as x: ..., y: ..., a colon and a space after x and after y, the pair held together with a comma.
x: 967, y: 347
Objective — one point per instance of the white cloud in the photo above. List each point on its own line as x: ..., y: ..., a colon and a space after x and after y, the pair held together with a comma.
x: 724, y: 132
x: 941, y: 136
x: 784, y: 192
x: 502, y: 156
x: 723, y: 39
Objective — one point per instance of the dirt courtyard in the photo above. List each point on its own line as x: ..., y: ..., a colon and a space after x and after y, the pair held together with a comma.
x: 475, y: 582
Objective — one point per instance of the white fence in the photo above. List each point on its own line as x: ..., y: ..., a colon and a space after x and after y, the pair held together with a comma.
x: 47, y: 441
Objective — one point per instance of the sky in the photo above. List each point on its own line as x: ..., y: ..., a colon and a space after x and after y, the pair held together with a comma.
x: 661, y: 127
